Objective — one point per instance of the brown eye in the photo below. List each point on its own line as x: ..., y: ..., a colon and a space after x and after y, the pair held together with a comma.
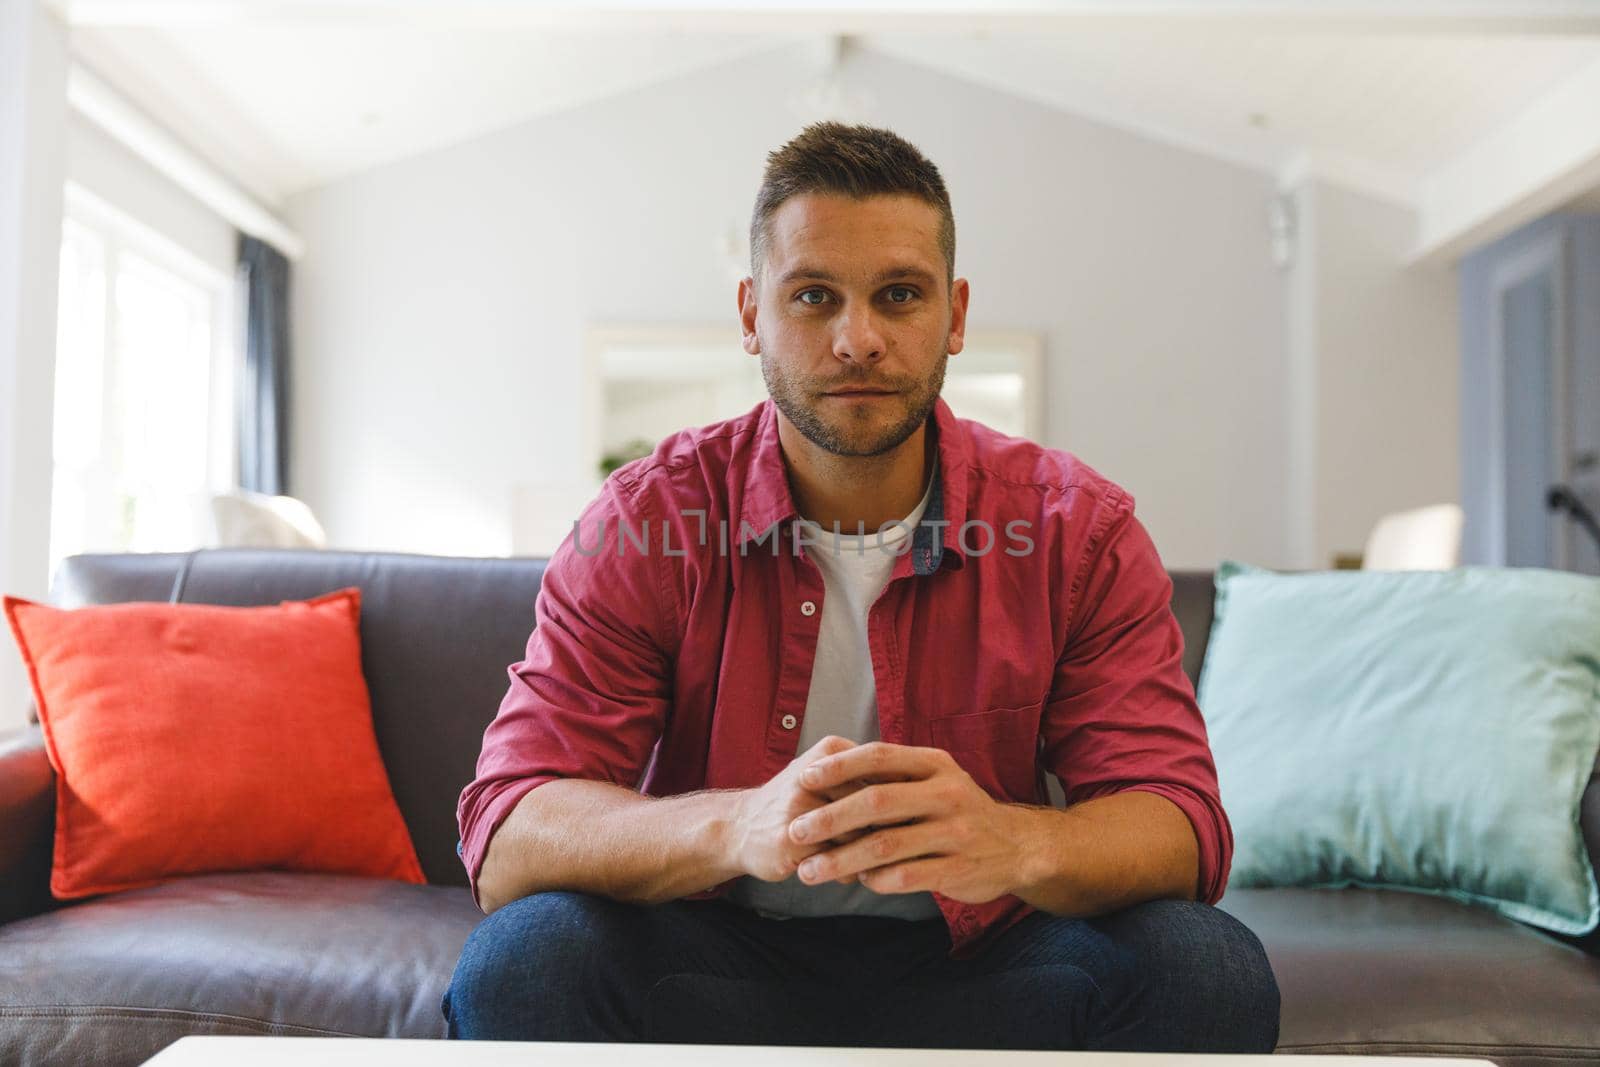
x: 908, y: 293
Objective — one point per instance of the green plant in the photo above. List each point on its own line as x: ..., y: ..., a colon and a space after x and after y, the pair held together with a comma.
x: 637, y: 448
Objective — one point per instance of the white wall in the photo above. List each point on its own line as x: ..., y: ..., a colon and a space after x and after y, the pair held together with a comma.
x: 440, y: 308
x: 1378, y: 343
x: 33, y: 72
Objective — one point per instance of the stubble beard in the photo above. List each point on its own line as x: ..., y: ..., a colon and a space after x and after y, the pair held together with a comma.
x: 853, y: 432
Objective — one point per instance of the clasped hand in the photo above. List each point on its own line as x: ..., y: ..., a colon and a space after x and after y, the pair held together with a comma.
x: 896, y: 818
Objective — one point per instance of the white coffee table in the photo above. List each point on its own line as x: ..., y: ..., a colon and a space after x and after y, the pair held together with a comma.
x: 366, y: 1052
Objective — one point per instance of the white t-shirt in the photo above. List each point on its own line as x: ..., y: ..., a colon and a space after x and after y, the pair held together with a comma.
x: 843, y: 700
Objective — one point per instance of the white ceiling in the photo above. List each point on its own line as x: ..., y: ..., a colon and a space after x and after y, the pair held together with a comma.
x: 311, y: 104
x: 1386, y: 108
x: 286, y: 98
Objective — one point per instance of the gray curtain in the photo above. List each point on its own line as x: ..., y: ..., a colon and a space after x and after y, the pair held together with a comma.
x: 264, y: 391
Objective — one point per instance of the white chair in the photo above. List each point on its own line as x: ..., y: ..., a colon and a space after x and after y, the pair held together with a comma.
x: 1423, y: 539
x: 243, y: 519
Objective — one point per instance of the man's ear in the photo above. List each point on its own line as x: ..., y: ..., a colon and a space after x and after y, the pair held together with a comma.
x: 747, y: 316
x: 960, y: 293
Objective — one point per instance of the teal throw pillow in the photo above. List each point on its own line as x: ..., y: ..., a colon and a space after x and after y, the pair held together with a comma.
x: 1422, y: 730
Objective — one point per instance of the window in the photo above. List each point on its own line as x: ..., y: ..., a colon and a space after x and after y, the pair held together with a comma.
x: 144, y: 418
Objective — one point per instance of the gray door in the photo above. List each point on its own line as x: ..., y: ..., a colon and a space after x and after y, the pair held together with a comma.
x: 1530, y: 392
x: 1582, y: 386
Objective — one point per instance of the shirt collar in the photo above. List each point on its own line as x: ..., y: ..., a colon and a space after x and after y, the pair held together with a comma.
x: 768, y: 502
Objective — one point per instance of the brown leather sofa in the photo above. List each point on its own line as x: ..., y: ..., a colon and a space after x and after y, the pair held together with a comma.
x: 114, y: 979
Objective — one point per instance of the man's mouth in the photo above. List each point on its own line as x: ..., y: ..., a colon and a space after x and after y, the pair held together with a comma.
x: 861, y: 392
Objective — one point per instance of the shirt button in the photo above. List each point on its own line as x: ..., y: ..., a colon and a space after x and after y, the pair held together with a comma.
x: 789, y: 721
x: 808, y: 607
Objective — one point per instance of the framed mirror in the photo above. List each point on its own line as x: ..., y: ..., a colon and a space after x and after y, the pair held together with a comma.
x: 643, y: 383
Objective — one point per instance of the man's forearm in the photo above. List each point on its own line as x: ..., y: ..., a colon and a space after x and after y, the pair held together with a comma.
x: 1105, y: 854
x: 600, y: 838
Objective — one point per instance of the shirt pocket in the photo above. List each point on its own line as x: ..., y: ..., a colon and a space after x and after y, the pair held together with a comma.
x: 999, y: 748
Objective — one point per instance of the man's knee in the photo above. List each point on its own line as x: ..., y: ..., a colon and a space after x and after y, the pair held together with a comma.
x: 530, y: 968
x: 1201, y: 979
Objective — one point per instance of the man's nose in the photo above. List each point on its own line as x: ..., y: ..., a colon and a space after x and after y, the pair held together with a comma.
x: 858, y: 337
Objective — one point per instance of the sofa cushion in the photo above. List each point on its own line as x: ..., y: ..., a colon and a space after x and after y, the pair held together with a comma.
x: 1386, y: 972
x: 190, y: 739
x: 1433, y: 730
x: 437, y: 634
x: 113, y: 980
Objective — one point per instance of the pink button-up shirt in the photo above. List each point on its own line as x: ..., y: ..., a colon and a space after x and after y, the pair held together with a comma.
x: 1027, y: 629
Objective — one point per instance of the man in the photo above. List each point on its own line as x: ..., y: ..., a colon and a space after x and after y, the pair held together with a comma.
x: 773, y: 767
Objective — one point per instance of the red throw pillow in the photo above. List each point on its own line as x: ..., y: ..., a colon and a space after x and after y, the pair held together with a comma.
x: 189, y: 738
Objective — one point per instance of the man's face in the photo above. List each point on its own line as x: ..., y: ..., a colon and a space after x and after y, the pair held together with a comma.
x: 853, y: 296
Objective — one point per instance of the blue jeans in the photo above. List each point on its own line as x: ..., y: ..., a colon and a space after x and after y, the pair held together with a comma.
x: 1163, y: 976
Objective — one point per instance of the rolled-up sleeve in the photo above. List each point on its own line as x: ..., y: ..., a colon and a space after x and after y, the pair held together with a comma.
x: 1121, y: 713
x: 591, y: 695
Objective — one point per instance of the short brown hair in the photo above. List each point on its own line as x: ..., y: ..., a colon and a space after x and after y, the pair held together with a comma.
x: 854, y: 161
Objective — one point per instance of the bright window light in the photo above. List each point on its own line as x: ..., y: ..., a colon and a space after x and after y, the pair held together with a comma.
x: 144, y: 416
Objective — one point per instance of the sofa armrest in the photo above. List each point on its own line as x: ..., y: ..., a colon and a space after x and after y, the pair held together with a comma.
x: 27, y: 815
